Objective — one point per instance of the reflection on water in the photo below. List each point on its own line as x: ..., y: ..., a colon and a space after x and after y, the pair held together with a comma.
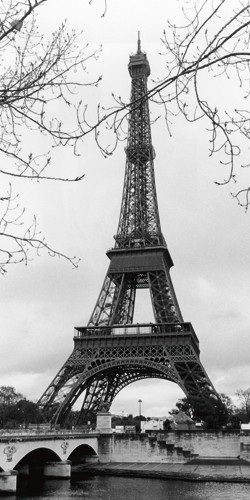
x: 124, y: 488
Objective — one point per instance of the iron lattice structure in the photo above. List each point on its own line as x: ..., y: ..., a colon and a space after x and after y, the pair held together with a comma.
x: 110, y: 352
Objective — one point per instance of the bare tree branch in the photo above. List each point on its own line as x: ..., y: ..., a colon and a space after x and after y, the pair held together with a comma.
x: 206, y: 54
x: 41, y: 78
x: 16, y: 243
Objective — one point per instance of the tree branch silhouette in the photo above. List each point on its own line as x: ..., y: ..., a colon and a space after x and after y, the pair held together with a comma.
x: 41, y: 78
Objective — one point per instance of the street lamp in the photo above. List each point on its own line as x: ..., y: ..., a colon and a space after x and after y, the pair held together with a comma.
x: 140, y: 402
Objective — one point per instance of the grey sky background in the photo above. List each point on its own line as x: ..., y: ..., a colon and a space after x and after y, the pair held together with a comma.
x: 206, y: 232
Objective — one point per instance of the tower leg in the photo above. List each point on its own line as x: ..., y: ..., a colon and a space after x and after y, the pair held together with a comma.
x: 115, y: 304
x: 165, y: 305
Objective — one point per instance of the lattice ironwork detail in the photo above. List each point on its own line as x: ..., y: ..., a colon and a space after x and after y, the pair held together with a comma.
x: 108, y: 356
x: 166, y: 309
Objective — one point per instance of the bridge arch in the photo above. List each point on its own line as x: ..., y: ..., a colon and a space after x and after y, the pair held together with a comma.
x: 82, y: 454
x: 35, y: 460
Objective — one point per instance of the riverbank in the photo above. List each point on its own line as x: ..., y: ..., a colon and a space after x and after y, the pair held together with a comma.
x: 203, y: 470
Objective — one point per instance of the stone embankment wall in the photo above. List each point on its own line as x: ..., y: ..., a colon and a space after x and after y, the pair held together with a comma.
x: 245, y: 445
x: 170, y: 447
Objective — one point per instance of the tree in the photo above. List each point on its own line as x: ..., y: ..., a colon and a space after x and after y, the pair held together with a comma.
x: 16, y: 410
x: 213, y: 413
x: 184, y: 405
x: 39, y: 86
x: 243, y: 396
x: 9, y: 396
x: 206, y: 58
x: 208, y: 50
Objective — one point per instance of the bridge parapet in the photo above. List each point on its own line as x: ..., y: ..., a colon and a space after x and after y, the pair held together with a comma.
x: 11, y: 434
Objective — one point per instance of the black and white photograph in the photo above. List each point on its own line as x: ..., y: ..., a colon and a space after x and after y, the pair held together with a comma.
x: 125, y: 249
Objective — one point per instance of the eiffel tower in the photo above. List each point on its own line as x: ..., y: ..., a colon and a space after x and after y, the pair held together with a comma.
x: 112, y: 352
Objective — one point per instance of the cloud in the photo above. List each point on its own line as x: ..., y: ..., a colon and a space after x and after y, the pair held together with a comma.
x: 235, y: 377
x: 28, y: 384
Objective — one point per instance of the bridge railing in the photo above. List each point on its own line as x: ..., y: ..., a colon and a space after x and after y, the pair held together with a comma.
x: 9, y: 433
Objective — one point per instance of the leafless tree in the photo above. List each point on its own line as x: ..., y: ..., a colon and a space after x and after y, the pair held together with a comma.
x: 244, y: 399
x: 206, y: 78
x: 39, y: 83
x: 8, y: 395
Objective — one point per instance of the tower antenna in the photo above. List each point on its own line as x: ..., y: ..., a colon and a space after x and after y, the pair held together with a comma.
x: 139, y: 43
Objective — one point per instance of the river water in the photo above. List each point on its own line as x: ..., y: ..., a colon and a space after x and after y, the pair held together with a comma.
x: 124, y: 488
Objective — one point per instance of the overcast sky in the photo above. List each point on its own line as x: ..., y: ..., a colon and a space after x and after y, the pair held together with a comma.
x: 207, y: 233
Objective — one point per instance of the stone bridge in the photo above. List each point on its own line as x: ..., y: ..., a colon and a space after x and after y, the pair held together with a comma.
x: 50, y: 453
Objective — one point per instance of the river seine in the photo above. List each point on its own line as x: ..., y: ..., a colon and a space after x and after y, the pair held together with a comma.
x: 124, y: 488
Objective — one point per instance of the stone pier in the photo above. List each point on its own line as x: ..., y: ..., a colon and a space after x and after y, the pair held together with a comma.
x: 58, y: 469
x: 8, y: 481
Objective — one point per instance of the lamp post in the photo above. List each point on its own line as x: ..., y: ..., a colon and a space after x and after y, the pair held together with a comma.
x: 140, y: 402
